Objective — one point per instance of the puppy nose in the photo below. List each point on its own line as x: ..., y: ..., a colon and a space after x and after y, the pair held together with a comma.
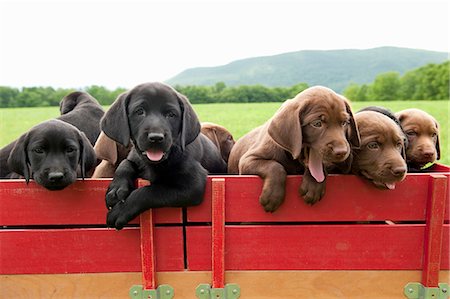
x: 155, y: 137
x: 398, y: 171
x: 55, y: 176
x: 428, y: 154
x: 340, y: 151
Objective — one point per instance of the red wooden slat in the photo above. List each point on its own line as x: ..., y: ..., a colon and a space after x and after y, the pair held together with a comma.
x: 218, y: 233
x: 86, y: 250
x: 314, y: 247
x: 347, y: 198
x: 147, y: 250
x: 433, y: 231
x: 80, y: 203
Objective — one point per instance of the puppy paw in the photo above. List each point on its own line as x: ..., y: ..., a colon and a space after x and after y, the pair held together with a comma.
x: 271, y: 200
x: 117, y: 192
x: 115, y: 217
x: 311, y: 191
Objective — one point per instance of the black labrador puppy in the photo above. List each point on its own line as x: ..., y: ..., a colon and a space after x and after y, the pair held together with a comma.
x: 77, y: 108
x: 51, y: 153
x: 84, y: 112
x: 168, y: 150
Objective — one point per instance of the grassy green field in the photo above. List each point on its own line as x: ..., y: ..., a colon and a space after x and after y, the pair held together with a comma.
x: 238, y: 118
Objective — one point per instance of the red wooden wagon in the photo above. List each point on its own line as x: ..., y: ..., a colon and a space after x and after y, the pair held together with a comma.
x: 358, y: 242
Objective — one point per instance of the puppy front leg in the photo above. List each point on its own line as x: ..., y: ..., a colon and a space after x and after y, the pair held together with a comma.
x: 122, y: 184
x: 274, y: 176
x: 311, y: 190
x: 186, y: 190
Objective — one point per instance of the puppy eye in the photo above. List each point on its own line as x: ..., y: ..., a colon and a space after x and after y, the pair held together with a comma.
x: 38, y: 150
x: 70, y: 149
x: 411, y: 133
x: 434, y: 135
x: 229, y: 138
x: 170, y: 114
x: 399, y: 146
x: 139, y: 111
x: 373, y: 145
x: 317, y: 123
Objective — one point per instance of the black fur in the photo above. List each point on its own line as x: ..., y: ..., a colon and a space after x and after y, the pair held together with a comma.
x: 51, y: 153
x: 77, y: 108
x: 157, y: 119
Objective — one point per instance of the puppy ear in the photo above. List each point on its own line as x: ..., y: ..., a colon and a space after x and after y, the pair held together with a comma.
x: 190, y: 125
x: 18, y: 158
x: 289, y: 136
x: 354, y: 137
x: 87, y: 160
x: 105, y: 148
x: 115, y: 121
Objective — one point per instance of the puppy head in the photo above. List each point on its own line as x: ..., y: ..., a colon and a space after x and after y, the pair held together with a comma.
x: 380, y: 157
x: 155, y: 117
x: 73, y: 99
x: 220, y: 136
x: 422, y: 131
x: 319, y: 122
x: 50, y: 153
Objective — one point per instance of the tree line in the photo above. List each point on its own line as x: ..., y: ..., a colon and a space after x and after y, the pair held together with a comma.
x: 430, y: 82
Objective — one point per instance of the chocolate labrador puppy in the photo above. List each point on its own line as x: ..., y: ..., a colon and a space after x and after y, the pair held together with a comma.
x: 51, y: 153
x: 381, y: 156
x: 220, y: 136
x: 311, y: 133
x: 168, y: 150
x: 422, y: 131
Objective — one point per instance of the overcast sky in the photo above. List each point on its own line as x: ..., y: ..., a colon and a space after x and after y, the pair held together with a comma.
x: 124, y: 43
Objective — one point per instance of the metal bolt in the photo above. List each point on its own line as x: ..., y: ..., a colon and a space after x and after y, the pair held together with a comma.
x: 168, y: 292
x: 202, y: 291
x: 135, y: 293
x: 235, y: 291
x: 410, y: 290
x: 444, y: 290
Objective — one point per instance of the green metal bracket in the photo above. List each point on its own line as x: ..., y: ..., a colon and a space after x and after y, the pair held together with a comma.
x: 416, y: 290
x: 230, y: 291
x: 163, y: 291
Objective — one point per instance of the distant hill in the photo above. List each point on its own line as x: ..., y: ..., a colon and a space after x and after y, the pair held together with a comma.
x: 333, y: 68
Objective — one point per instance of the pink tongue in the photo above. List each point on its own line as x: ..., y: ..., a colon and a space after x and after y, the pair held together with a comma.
x: 390, y: 186
x: 155, y: 156
x: 315, y: 166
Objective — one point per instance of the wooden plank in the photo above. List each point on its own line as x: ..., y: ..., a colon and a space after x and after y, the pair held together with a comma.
x: 434, y: 230
x: 80, y: 203
x: 147, y: 250
x: 218, y: 233
x: 314, y: 247
x: 348, y: 198
x: 86, y: 250
x: 254, y: 284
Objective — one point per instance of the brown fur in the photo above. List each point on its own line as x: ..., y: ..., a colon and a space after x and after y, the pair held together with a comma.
x: 285, y: 144
x: 111, y: 153
x: 422, y: 131
x: 220, y: 136
x: 381, y: 157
